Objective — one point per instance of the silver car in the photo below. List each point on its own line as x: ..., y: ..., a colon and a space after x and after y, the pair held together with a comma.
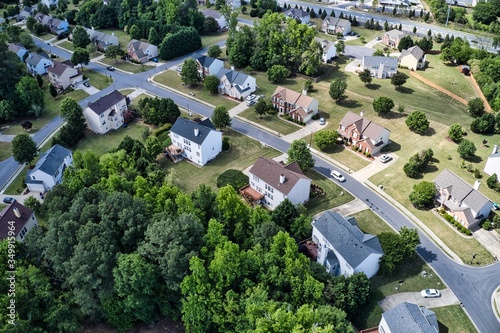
x: 430, y: 293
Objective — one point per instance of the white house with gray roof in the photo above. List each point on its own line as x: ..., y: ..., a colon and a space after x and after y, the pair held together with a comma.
x: 38, y: 63
x: 198, y: 142
x: 106, y: 113
x: 329, y: 50
x: 332, y: 25
x: 101, y: 39
x: 49, y: 169
x: 343, y: 248
x: 379, y: 66
x: 217, y: 16
x: 408, y: 318
x: 493, y: 163
x: 465, y: 203
x: 298, y: 14
x: 207, y: 65
x: 235, y: 84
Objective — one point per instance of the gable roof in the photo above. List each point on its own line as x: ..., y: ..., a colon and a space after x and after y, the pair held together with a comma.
x: 395, y: 33
x: 340, y: 22
x: 16, y: 47
x: 232, y: 76
x: 105, y: 102
x: 186, y: 128
x: 51, y: 160
x: 377, y: 60
x: 410, y: 318
x: 296, y: 12
x: 460, y: 190
x: 364, y: 126
x: 8, y: 214
x: 57, y: 68
x: 35, y: 58
x: 294, y: 97
x: 347, y: 240
x: 204, y: 60
x: 138, y: 45
x: 211, y: 13
x: 270, y: 171
x: 414, y: 51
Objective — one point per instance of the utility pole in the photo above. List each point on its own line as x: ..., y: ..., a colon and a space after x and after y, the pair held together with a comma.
x: 448, y: 14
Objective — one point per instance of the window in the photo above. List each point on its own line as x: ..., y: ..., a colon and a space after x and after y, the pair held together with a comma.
x: 23, y: 232
x: 102, y: 115
x: 56, y: 173
x: 257, y: 179
x: 198, y: 153
x: 187, y: 142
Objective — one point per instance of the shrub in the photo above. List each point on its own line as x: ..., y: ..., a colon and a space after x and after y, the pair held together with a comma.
x: 486, y: 225
x: 235, y: 178
x: 225, y: 143
x: 492, y: 181
x: 477, y: 173
x: 164, y: 128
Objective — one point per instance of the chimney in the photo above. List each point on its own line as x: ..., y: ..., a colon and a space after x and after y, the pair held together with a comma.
x: 477, y: 183
x: 113, y: 34
x: 304, y: 92
x: 232, y: 68
x: 92, y: 28
x: 196, y: 131
x: 282, y: 178
x: 362, y: 114
x: 17, y: 212
x: 495, y: 149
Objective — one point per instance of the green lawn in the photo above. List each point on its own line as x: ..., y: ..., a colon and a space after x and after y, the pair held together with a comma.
x: 97, y: 80
x: 208, y: 40
x: 334, y: 197
x: 135, y: 102
x: 371, y: 223
x: 267, y: 88
x: 366, y: 33
x: 5, y: 150
x: 344, y: 155
x: 244, y: 152
x: 66, y: 45
x: 452, y: 318
x: 16, y: 187
x: 2, y: 206
x: 46, y: 36
x: 126, y: 66
x: 172, y: 79
x: 273, y: 122
x: 127, y: 91
x: 123, y: 38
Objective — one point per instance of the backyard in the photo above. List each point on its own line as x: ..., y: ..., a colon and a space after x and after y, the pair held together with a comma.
x: 208, y: 40
x: 273, y: 122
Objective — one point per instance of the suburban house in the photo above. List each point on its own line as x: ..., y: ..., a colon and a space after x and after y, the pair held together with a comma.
x: 216, y: 16
x: 233, y: 3
x: 207, y: 65
x: 329, y: 50
x: 49, y: 3
x: 334, y: 25
x: 298, y: 106
x: 343, y: 248
x: 380, y: 67
x: 370, y: 137
x: 198, y: 142
x: 141, y: 51
x: 38, y: 63
x: 408, y: 317
x: 272, y: 182
x: 18, y: 216
x: 18, y: 49
x: 493, y: 163
x: 235, y: 84
x: 26, y: 12
x: 298, y: 14
x: 465, y: 203
x: 61, y: 76
x: 395, y: 3
x: 102, y: 40
x: 412, y: 58
x: 392, y: 37
x: 106, y: 113
x: 48, y: 171
x: 55, y: 26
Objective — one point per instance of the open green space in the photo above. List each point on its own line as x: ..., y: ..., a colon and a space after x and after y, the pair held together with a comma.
x: 366, y: 33
x: 97, y: 80
x: 243, y: 153
x: 353, y: 160
x: 371, y: 223
x: 66, y: 45
x: 452, y: 318
x: 126, y: 65
x: 5, y: 150
x: 334, y: 194
x: 127, y: 91
x: 173, y: 80
x: 208, y: 40
x: 45, y: 36
x: 273, y: 122
x: 267, y: 88
x: 123, y: 37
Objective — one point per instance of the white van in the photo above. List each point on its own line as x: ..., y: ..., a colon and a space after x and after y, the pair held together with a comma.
x: 337, y: 175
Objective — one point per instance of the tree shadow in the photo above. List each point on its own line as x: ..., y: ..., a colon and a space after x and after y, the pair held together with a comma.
x: 405, y: 90
x: 429, y: 132
x: 351, y: 103
x: 475, y: 159
x: 427, y: 255
x: 373, y: 86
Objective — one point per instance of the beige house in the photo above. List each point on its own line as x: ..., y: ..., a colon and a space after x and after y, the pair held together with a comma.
x: 298, y: 106
x: 393, y: 37
x: 19, y: 218
x: 412, y: 58
x: 235, y: 84
x: 106, y: 113
x: 141, y: 51
x: 62, y: 75
x: 334, y: 25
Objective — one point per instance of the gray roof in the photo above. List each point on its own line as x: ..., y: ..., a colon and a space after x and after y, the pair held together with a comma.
x: 396, y: 33
x: 377, y: 60
x: 414, y: 51
x: 186, y: 128
x: 340, y: 22
x: 51, y: 160
x: 350, y: 242
x: 211, y: 13
x: 364, y: 126
x: 204, y: 60
x: 105, y: 102
x: 296, y: 12
x: 234, y: 77
x: 460, y: 190
x: 16, y: 47
x: 57, y: 68
x: 410, y: 318
x: 35, y: 58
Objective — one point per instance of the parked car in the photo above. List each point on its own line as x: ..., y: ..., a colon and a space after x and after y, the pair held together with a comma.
x: 155, y: 59
x: 251, y: 102
x: 110, y: 68
x: 8, y: 200
x: 321, y: 121
x: 179, y: 68
x: 337, y: 175
x: 379, y: 38
x: 86, y: 84
x: 251, y: 97
x: 430, y: 293
x: 385, y: 158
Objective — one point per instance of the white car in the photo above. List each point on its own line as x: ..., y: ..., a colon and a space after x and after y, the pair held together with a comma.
x: 179, y: 68
x: 385, y: 158
x: 251, y: 97
x: 430, y: 293
x: 321, y: 121
x: 337, y: 175
x: 251, y: 102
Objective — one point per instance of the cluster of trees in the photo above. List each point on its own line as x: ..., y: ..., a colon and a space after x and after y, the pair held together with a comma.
x: 417, y: 163
x: 486, y: 69
x: 158, y: 111
x: 456, y: 50
x: 486, y: 12
x: 425, y: 43
x: 398, y: 248
x: 439, y: 9
x: 74, y: 129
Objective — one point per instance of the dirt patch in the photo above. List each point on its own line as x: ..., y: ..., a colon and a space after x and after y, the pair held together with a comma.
x: 435, y: 86
x: 161, y: 326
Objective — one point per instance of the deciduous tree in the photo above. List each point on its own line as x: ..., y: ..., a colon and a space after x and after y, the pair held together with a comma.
x: 80, y: 37
x: 211, y: 82
x: 30, y: 95
x: 299, y: 152
x: 325, y: 139
x: 189, y: 72
x: 476, y: 107
x: 398, y: 79
x: 261, y: 107
x: 466, y: 149
x: 24, y: 149
x: 383, y: 105
x: 80, y: 57
x: 113, y: 52
x: 337, y: 90
x: 366, y: 76
x: 220, y: 117
x: 277, y: 74
x: 417, y: 121
x: 214, y: 51
x: 456, y: 132
x: 423, y: 195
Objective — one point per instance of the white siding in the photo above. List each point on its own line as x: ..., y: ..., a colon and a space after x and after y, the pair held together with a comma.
x: 492, y: 166
x: 32, y: 222
x: 93, y: 120
x: 211, y: 147
x: 370, y: 265
x: 300, y: 192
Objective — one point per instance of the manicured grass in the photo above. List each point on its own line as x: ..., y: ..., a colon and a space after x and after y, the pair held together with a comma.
x: 172, y: 79
x: 66, y: 45
x: 366, y: 33
x: 46, y: 36
x: 342, y: 154
x: 98, y: 80
x: 126, y: 66
x: 452, y: 318
x: 371, y: 223
x: 208, y: 40
x: 123, y: 38
x: 335, y: 195
x: 5, y: 150
x: 134, y: 104
x: 2, y: 206
x: 267, y: 88
x: 16, y: 187
x: 127, y: 91
x: 273, y: 122
x: 244, y: 152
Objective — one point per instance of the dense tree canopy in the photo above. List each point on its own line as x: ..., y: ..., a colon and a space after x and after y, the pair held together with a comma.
x: 423, y: 195
x: 299, y: 152
x: 325, y: 139
x: 220, y: 117
x: 383, y: 105
x: 337, y: 90
x: 417, y: 122
x: 24, y: 149
x: 158, y: 111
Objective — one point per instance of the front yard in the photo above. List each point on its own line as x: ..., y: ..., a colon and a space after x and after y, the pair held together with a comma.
x: 273, y: 122
x: 334, y: 194
x: 344, y: 155
x: 5, y: 150
x: 97, y: 80
x: 66, y: 45
x: 453, y: 319
x: 126, y: 65
x: 208, y: 40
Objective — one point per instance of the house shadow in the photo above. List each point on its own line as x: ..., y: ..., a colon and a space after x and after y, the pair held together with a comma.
x: 443, y: 328
x: 405, y: 90
x: 392, y: 147
x: 427, y: 256
x: 373, y: 86
x: 351, y: 103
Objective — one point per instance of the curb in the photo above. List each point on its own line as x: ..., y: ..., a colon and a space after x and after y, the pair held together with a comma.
x: 256, y: 125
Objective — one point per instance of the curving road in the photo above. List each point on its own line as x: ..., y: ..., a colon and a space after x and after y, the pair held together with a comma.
x: 472, y: 286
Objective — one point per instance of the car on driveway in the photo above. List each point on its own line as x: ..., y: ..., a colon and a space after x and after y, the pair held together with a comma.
x: 86, y: 84
x: 430, y: 293
x: 337, y: 175
x: 179, y: 68
x: 379, y: 38
x: 321, y: 121
x: 8, y: 200
x: 110, y: 68
x: 251, y: 97
x: 251, y: 102
x: 385, y: 158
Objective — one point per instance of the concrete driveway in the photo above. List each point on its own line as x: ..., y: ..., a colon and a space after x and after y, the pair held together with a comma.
x: 353, y: 66
x: 447, y: 298
x: 373, y: 168
x: 89, y: 90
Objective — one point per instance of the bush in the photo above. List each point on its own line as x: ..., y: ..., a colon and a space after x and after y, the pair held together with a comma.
x: 235, y: 178
x: 225, y: 143
x: 160, y: 130
x: 254, y: 12
x: 486, y: 225
x: 477, y: 174
x: 492, y: 181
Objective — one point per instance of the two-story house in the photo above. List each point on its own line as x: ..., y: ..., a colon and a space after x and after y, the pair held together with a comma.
x: 493, y: 163
x: 38, y: 63
x: 48, y: 171
x: 343, y: 248
x: 235, y: 84
x: 367, y: 135
x: 101, y: 39
x: 198, y: 142
x: 26, y: 12
x: 61, y: 76
x: 217, y: 16
x: 380, y: 67
x: 334, y: 25
x: 298, y: 14
x: 465, y: 203
x: 392, y: 37
x: 329, y: 50
x: 18, y: 49
x: 298, y: 106
x: 141, y: 51
x: 106, y: 113
x: 49, y: 3
x: 412, y: 58
x: 408, y: 317
x: 20, y: 218
x: 207, y: 65
x: 55, y: 26
x: 274, y: 182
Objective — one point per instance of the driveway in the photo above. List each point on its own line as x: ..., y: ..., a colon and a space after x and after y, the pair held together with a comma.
x: 447, y: 298
x: 353, y: 66
x: 89, y: 90
x: 373, y: 168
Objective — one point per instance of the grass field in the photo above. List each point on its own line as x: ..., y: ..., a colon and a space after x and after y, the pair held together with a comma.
x: 335, y: 195
x: 66, y: 45
x: 370, y: 223
x: 340, y: 153
x: 453, y: 319
x: 208, y: 40
x: 97, y: 80
x: 16, y: 187
x: 5, y: 150
x: 172, y: 79
x: 366, y: 33
x: 126, y: 66
x: 46, y: 36
x: 244, y: 152
x: 273, y: 122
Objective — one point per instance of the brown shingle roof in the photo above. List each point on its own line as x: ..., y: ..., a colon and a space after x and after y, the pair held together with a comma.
x: 366, y: 127
x: 107, y: 101
x: 7, y: 215
x: 57, y: 68
x: 293, y: 97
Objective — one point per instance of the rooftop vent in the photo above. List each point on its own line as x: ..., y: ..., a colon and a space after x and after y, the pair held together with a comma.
x: 17, y: 212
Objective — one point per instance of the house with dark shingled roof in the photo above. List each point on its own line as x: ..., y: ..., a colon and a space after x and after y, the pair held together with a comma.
x: 408, y: 318
x: 49, y: 169
x: 106, y: 113
x: 19, y: 218
x: 207, y: 65
x: 235, y: 84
